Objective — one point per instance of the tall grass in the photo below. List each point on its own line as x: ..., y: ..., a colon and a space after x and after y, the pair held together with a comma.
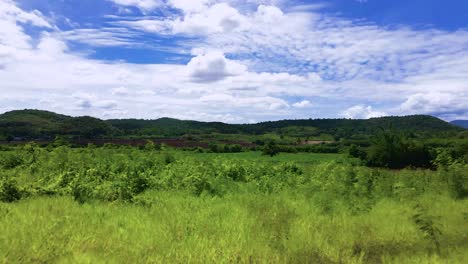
x: 180, y: 228
x: 102, y: 205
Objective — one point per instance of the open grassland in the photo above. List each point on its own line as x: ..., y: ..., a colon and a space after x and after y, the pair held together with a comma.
x: 179, y: 228
x: 125, y: 205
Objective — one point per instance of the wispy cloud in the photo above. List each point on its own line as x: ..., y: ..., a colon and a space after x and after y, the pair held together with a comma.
x: 101, y: 37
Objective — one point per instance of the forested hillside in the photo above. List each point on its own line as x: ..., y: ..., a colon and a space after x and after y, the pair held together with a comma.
x: 36, y: 124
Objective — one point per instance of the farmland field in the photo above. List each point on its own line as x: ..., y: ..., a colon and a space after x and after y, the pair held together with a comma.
x: 129, y: 205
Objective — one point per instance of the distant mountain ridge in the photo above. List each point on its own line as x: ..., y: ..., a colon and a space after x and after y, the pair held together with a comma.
x: 460, y: 123
x: 37, y: 124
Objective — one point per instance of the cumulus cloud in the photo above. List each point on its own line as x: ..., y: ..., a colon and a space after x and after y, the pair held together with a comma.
x: 217, y: 18
x: 362, y: 112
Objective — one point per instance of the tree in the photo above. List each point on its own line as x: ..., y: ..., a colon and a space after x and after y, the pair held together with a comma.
x: 270, y: 149
x: 213, y: 147
x: 394, y: 151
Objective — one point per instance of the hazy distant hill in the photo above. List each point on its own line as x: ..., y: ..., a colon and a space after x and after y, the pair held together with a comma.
x: 460, y: 123
x: 36, y: 124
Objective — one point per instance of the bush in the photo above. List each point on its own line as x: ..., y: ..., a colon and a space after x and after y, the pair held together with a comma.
x: 10, y: 161
x: 151, y: 146
x: 235, y: 148
x: 168, y: 158
x: 270, y: 149
x: 9, y: 192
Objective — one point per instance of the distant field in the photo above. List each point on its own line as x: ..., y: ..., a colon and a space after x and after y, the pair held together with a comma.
x: 256, y: 156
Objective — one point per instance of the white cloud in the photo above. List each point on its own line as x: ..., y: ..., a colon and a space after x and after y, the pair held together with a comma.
x: 362, y: 112
x: 215, y: 19
x: 189, y: 6
x: 213, y: 66
x: 9, y: 11
x: 308, y: 7
x: 155, y: 26
x: 262, y: 103
x: 436, y: 103
x: 103, y: 37
x: 144, y: 5
x: 302, y: 104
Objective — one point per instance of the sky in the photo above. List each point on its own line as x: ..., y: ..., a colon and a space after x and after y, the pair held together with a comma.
x: 235, y: 61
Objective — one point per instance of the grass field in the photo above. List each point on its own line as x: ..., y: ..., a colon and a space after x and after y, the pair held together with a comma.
x: 256, y: 156
x: 133, y: 206
x: 177, y: 228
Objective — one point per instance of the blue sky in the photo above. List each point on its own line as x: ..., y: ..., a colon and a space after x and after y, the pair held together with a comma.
x: 235, y: 61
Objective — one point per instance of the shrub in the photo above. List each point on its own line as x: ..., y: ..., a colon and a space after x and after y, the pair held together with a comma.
x: 168, y: 158
x: 213, y: 147
x: 151, y: 146
x: 9, y: 191
x: 270, y: 149
x: 10, y: 161
x: 235, y: 172
x: 234, y: 148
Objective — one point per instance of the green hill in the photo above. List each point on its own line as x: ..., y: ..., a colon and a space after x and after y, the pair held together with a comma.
x: 346, y: 128
x: 36, y: 124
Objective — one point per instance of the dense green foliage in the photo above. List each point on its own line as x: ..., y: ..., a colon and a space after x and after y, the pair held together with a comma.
x: 152, y: 204
x: 394, y: 151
